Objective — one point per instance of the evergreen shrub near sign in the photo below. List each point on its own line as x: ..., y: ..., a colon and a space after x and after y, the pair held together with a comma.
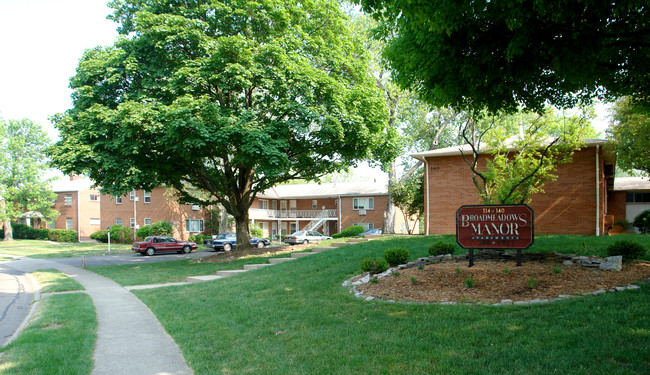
x: 374, y: 265
x: 642, y: 221
x: 441, y: 248
x: 119, y: 234
x: 630, y: 250
x: 396, y: 256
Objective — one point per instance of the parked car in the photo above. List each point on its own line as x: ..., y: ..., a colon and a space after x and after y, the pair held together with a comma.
x: 305, y: 236
x: 227, y: 241
x: 162, y: 244
x: 372, y: 231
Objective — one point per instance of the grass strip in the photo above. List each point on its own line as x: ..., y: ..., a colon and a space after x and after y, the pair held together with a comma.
x: 44, y: 249
x: 295, y: 318
x: 51, y: 281
x: 59, y: 340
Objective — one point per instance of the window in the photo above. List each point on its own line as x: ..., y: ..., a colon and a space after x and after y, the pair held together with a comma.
x: 67, y: 200
x: 637, y: 197
x: 292, y: 228
x: 118, y: 221
x: 51, y: 224
x: 132, y: 220
x: 363, y: 203
x: 147, y: 221
x: 68, y: 223
x: 95, y: 221
x: 94, y: 198
x: 132, y: 195
x: 118, y: 200
x: 314, y: 204
x: 264, y: 204
x: 366, y: 226
x: 147, y: 197
x: 194, y: 225
x: 283, y: 205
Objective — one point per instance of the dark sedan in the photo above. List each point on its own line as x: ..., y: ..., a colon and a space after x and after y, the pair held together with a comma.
x: 227, y: 241
x: 162, y: 244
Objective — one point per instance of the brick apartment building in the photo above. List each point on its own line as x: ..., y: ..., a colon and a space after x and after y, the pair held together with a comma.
x: 141, y: 208
x: 327, y: 208
x: 576, y: 203
x: 78, y: 205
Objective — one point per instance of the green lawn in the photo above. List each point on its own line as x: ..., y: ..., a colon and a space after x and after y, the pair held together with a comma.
x: 51, y: 281
x: 59, y: 340
x: 295, y: 318
x: 45, y: 249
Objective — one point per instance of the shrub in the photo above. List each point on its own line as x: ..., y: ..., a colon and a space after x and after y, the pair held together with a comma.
x: 336, y: 235
x: 623, y: 223
x: 374, y: 265
x: 351, y: 231
x: 62, y: 235
x: 162, y: 228
x: 144, y: 231
x: 100, y: 235
x: 441, y: 248
x: 256, y: 231
x: 642, y: 221
x: 629, y: 249
x: 198, y: 238
x: 121, y: 234
x: 396, y: 256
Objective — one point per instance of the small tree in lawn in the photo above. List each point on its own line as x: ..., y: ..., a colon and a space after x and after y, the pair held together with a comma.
x: 225, y: 97
x: 517, y: 167
x: 408, y: 195
x: 630, y: 132
x: 22, y: 164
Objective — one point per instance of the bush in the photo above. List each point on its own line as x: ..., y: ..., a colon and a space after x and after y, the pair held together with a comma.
x: 441, y: 248
x: 144, y: 231
x: 630, y: 250
x: 62, y: 235
x: 100, y: 235
x: 256, y: 231
x: 374, y: 265
x: 336, y: 235
x: 121, y: 234
x: 396, y: 256
x: 162, y: 228
x: 351, y: 231
x: 642, y: 221
x: 623, y: 223
x: 198, y: 238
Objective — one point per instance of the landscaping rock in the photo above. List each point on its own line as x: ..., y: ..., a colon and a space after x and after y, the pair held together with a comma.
x: 614, y: 263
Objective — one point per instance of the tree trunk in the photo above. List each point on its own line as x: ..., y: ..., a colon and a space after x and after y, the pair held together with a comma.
x: 223, y: 219
x: 9, y: 235
x: 243, y: 233
x: 391, y: 211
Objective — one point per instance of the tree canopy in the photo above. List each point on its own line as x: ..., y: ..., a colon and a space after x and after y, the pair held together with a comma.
x: 500, y: 55
x: 630, y: 132
x: 23, y: 162
x: 225, y: 97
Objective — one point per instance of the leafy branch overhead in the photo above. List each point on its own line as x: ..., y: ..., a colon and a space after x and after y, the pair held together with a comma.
x: 227, y: 97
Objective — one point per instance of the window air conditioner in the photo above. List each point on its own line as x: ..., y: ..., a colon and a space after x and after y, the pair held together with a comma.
x: 362, y: 212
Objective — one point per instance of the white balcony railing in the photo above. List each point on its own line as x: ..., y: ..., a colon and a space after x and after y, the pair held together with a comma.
x: 256, y: 213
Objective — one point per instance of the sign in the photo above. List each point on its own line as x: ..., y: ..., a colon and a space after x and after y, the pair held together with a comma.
x: 495, y: 226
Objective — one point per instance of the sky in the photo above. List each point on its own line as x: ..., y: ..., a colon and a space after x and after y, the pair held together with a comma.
x: 41, y: 42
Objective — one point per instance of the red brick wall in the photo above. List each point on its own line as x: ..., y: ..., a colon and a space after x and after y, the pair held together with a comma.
x: 163, y: 206
x: 568, y: 205
x: 349, y: 216
x: 81, y: 211
x: 616, y: 204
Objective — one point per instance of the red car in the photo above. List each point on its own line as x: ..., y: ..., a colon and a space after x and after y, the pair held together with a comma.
x: 159, y: 244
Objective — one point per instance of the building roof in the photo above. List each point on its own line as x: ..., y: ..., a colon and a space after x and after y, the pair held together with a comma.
x: 66, y: 184
x: 466, y: 149
x: 631, y: 183
x: 330, y: 190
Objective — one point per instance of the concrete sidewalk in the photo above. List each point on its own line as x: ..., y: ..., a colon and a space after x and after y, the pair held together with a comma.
x: 130, y: 340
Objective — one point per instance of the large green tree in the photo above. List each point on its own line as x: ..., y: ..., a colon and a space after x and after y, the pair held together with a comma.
x: 23, y: 163
x: 228, y: 97
x: 499, y: 55
x: 630, y: 131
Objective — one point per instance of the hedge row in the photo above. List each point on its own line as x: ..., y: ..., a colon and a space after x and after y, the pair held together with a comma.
x: 25, y: 232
